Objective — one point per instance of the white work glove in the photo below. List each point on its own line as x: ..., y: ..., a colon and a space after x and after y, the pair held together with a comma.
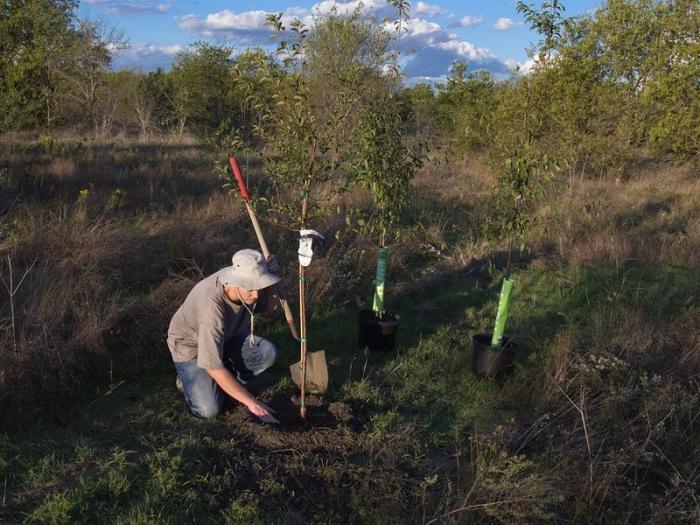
x: 308, y: 240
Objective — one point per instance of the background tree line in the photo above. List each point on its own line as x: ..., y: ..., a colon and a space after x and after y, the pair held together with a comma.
x: 602, y: 86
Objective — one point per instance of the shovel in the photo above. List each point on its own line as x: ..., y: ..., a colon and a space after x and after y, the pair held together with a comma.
x: 263, y: 245
x: 311, y: 369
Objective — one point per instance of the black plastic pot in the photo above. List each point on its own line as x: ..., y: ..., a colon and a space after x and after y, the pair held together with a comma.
x: 488, y: 361
x: 379, y: 335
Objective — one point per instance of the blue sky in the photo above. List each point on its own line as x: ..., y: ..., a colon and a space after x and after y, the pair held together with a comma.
x: 486, y: 34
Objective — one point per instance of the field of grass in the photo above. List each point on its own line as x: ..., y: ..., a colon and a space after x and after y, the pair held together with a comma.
x: 599, y: 422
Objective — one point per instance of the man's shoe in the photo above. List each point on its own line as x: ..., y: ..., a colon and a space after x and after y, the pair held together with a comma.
x: 178, y: 385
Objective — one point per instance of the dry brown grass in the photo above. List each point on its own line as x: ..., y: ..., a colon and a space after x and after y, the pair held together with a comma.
x: 619, y: 401
x: 108, y: 282
x: 66, y: 305
x: 653, y: 218
x: 61, y: 168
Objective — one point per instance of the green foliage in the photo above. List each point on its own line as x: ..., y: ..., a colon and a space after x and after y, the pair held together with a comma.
x: 159, y: 89
x: 610, y: 88
x: 304, y: 150
x: 309, y: 131
x: 670, y: 97
x: 465, y: 109
x: 520, y: 185
x: 346, y: 46
x: 403, y: 7
x: 418, y: 111
x: 383, y: 425
x: 116, y: 200
x: 242, y: 513
x: 201, y: 84
x: 84, y: 95
x: 547, y: 22
x: 603, y: 85
x: 385, y: 165
x: 35, y: 37
x: 54, y: 510
x: 252, y: 81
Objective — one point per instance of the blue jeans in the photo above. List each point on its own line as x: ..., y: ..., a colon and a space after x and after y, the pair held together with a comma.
x: 243, y: 359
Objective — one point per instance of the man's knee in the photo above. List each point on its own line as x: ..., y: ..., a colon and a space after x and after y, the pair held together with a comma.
x: 206, y: 411
x: 204, y: 398
x: 260, y: 356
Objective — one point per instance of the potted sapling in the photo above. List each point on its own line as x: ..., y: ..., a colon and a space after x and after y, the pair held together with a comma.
x: 519, y: 186
x: 385, y: 167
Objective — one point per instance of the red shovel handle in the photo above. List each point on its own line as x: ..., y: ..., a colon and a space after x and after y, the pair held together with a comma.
x: 239, y: 177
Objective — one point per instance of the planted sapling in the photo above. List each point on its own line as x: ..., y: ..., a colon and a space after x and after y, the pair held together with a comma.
x: 520, y: 185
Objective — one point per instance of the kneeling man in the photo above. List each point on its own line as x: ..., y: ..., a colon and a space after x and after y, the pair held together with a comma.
x: 211, y: 335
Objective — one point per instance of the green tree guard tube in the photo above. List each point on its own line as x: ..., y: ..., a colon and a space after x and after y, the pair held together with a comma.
x: 378, y: 305
x: 502, y: 314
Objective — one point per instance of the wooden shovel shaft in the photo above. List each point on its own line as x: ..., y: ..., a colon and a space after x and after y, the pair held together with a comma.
x: 263, y: 245
x: 280, y: 291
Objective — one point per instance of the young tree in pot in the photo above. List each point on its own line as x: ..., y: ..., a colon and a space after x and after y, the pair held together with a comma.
x: 385, y: 167
x: 520, y: 185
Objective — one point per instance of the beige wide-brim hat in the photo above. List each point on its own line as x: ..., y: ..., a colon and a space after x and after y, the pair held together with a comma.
x: 248, y: 270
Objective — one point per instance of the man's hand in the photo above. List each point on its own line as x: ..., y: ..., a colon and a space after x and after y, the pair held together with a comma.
x: 224, y: 378
x: 273, y: 266
x: 262, y: 411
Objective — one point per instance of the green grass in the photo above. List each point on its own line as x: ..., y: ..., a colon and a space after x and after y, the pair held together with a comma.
x: 134, y: 455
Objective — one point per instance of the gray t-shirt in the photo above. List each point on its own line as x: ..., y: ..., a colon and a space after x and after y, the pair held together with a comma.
x: 204, y: 322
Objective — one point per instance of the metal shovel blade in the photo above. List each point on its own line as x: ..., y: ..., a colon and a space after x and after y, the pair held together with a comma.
x: 316, y: 372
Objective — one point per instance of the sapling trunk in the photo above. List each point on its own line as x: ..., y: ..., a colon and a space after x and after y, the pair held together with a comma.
x: 302, y: 310
x: 502, y: 312
x: 302, y: 340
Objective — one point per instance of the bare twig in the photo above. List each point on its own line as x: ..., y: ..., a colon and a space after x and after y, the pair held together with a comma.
x: 481, y: 506
x: 11, y: 291
x: 532, y: 431
x: 581, y: 410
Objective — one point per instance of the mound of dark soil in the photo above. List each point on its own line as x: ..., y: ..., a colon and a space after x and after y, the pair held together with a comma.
x: 326, y: 426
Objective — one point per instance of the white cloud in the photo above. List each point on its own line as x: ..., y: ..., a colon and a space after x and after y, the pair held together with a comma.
x: 428, y: 49
x: 466, y: 50
x: 229, y: 20
x: 432, y: 54
x: 503, y: 24
x: 521, y: 68
x: 425, y: 9
x: 527, y: 66
x: 249, y: 27
x: 416, y: 26
x: 469, y: 21
x: 227, y: 24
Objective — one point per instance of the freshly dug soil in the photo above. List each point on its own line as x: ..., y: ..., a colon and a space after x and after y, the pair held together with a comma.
x: 326, y: 426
